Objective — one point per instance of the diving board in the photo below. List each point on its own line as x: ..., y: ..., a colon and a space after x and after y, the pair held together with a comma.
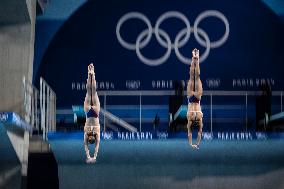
x: 13, y: 121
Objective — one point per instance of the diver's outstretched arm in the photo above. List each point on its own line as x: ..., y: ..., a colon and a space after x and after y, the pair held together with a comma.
x: 86, y: 145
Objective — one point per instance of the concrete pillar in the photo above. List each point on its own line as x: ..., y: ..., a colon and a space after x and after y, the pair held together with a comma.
x: 17, y: 23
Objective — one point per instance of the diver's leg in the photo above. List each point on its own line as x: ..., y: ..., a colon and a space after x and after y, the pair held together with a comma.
x: 93, y: 91
x: 91, y: 83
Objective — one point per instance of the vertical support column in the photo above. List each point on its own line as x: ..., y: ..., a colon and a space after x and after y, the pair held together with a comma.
x: 36, y: 111
x: 211, y: 118
x: 28, y: 105
x: 52, y: 112
x: 25, y: 97
x: 23, y: 108
x: 43, y: 111
x: 33, y: 108
x: 246, y: 111
x: 47, y: 108
x: 25, y: 149
x: 54, y: 103
x: 105, y: 112
x: 47, y: 126
x: 140, y: 112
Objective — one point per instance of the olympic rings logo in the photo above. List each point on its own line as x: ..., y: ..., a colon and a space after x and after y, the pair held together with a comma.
x: 164, y: 40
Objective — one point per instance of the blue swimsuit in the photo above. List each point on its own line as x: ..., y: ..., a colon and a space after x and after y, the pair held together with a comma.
x: 193, y: 99
x: 92, y: 113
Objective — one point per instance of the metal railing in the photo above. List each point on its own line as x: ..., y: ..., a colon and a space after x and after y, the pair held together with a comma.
x: 31, y: 111
x: 39, y: 106
x: 211, y: 94
x: 47, y: 108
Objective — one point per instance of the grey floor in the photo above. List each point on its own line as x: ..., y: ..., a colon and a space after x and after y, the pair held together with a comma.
x: 162, y: 164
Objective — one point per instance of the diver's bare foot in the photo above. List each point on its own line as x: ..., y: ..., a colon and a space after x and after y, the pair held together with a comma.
x: 91, y: 69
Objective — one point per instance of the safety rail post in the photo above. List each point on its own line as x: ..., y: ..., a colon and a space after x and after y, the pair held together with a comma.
x: 47, y: 108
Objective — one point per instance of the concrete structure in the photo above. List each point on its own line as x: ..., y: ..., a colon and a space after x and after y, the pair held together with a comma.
x: 17, y: 31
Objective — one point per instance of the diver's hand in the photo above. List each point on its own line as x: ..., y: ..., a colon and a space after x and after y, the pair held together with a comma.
x: 194, y: 146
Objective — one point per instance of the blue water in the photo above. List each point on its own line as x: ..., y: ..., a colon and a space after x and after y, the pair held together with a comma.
x: 171, y: 164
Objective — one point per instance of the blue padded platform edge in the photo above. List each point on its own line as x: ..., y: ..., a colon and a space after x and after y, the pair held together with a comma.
x: 11, y: 118
x: 241, y: 136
